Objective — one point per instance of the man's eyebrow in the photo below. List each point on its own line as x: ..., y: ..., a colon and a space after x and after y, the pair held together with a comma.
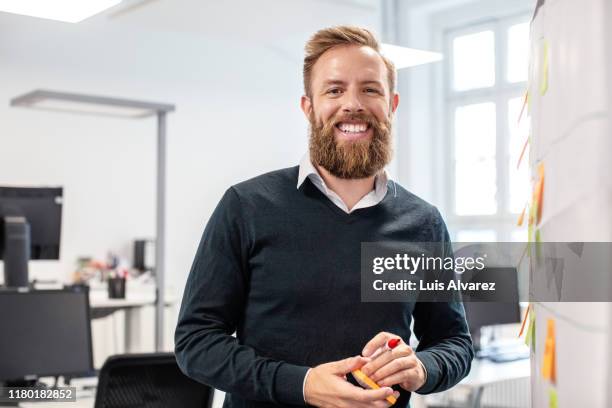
x: 374, y: 82
x: 340, y: 82
x: 334, y: 82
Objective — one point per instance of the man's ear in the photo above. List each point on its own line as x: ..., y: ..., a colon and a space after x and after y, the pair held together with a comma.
x: 306, y: 105
x: 394, y: 102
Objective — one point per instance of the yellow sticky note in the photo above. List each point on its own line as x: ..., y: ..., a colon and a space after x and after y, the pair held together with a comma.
x: 545, y: 68
x: 553, y: 399
x: 548, y: 365
x: 538, y: 244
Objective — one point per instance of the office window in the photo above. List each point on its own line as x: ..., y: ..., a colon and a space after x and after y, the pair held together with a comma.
x: 486, y: 74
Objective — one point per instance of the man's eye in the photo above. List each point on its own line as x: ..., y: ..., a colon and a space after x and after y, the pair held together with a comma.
x: 372, y: 90
x: 335, y: 91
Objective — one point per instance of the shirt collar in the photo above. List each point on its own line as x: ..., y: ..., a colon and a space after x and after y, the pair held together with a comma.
x: 307, y: 169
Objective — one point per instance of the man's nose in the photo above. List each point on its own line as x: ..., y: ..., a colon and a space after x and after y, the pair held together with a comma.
x: 352, y: 103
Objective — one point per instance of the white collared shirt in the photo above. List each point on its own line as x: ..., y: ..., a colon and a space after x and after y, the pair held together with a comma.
x: 307, y: 169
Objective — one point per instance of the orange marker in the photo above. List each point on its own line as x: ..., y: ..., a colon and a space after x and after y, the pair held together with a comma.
x: 368, y: 383
x: 365, y: 381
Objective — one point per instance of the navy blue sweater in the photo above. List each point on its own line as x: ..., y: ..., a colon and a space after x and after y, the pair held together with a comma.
x: 280, y: 266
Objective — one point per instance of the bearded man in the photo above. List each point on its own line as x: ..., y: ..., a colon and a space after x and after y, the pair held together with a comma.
x: 279, y: 260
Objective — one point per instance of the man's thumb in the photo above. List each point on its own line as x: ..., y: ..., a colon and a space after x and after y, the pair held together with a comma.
x: 349, y: 364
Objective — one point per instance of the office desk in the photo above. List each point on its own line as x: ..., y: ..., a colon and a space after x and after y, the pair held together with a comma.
x: 137, y: 299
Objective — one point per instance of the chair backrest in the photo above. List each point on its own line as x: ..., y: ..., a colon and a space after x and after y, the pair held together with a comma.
x: 148, y: 380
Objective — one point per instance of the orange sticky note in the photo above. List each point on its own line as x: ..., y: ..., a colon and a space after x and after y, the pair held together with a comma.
x: 521, y: 217
x: 548, y: 365
x: 524, y: 320
x: 540, y: 194
x: 534, y: 206
x: 520, y: 159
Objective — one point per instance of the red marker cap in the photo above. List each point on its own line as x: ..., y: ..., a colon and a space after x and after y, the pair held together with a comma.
x: 393, y: 343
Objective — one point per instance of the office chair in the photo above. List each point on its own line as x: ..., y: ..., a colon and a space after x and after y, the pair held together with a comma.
x: 148, y: 380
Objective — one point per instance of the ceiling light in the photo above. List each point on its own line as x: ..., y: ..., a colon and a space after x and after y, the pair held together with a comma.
x: 70, y: 11
x: 403, y: 57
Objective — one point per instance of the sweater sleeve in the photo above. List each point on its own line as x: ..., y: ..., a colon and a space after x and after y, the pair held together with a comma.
x: 213, y: 304
x: 445, y: 344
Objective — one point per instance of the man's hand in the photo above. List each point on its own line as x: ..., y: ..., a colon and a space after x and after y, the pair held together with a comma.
x: 397, y: 366
x: 326, y: 386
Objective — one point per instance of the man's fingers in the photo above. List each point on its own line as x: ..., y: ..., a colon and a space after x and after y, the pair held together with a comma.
x: 396, y: 366
x: 405, y: 378
x: 357, y: 397
x: 378, y: 341
x: 386, y: 358
x: 373, y: 395
x: 347, y: 365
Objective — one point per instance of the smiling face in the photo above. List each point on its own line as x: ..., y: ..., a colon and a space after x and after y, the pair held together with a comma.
x: 350, y: 109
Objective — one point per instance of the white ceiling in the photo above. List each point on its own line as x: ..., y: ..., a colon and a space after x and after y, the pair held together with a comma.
x: 261, y: 20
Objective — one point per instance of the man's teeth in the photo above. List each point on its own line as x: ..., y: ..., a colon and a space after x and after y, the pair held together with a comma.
x: 353, y: 128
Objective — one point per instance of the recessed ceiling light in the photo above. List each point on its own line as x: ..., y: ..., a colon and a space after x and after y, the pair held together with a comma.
x: 70, y: 11
x: 403, y: 57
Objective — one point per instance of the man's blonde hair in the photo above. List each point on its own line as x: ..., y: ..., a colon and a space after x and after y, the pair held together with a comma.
x: 328, y: 38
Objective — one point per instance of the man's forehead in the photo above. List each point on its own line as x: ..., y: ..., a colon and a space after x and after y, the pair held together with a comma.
x: 344, y: 63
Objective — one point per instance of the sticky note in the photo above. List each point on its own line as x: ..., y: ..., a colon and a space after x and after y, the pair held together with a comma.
x: 522, y: 217
x: 527, y: 141
x: 553, y: 400
x: 548, y: 364
x: 533, y: 209
x: 524, y: 320
x: 540, y: 194
x: 528, y: 102
x: 545, y: 68
x: 538, y: 244
x: 525, y: 101
x: 530, y: 336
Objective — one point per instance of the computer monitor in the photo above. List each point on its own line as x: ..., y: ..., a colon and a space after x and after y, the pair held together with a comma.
x: 44, y: 333
x: 482, y: 314
x: 30, y: 227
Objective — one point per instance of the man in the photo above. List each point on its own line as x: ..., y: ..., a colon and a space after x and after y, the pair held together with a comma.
x: 279, y: 261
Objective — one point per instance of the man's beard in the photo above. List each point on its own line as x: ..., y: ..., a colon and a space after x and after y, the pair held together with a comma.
x: 348, y: 159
